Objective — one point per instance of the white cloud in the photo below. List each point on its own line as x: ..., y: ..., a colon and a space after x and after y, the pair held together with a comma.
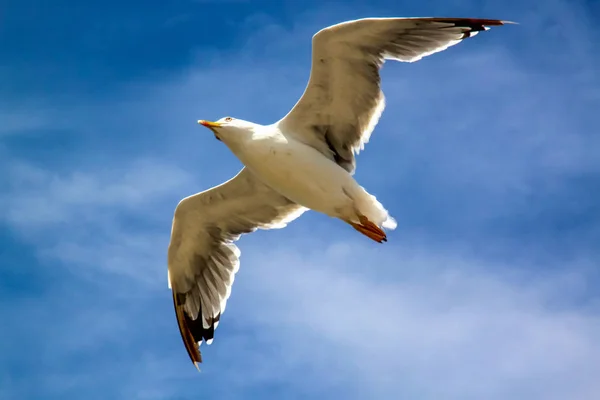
x: 443, y: 326
x: 39, y: 197
x: 105, y: 220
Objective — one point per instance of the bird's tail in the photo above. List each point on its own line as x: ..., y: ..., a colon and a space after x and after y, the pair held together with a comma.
x: 370, y: 215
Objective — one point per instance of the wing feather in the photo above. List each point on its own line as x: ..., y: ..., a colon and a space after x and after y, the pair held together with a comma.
x: 343, y: 100
x: 202, y: 257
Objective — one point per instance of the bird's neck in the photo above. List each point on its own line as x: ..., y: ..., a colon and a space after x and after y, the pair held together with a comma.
x: 248, y: 142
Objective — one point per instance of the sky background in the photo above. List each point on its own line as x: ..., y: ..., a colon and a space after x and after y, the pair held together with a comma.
x: 488, y: 155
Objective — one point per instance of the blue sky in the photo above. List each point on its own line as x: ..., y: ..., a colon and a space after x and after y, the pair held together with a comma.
x: 487, y: 155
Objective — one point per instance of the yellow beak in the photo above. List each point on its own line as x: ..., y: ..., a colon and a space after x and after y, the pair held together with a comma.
x: 209, y: 124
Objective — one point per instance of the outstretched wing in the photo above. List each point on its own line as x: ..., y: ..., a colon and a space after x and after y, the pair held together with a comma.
x: 202, y: 257
x: 343, y: 100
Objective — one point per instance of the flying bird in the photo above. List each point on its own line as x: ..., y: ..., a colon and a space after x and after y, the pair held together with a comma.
x: 304, y: 161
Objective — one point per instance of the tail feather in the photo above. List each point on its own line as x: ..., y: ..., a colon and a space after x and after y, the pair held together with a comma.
x: 366, y: 204
x: 390, y: 223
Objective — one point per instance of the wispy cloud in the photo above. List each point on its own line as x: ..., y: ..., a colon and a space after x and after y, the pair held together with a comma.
x: 442, y: 325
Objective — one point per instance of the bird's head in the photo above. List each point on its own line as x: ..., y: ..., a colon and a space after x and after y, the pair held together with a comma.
x: 229, y: 129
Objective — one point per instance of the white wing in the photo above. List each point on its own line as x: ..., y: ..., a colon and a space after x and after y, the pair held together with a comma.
x: 343, y: 99
x: 202, y: 257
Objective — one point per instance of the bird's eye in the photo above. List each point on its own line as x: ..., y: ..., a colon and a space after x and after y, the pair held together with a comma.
x: 228, y: 119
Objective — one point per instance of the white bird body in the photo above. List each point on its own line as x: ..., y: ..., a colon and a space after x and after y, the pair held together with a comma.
x: 302, y: 174
x: 304, y: 161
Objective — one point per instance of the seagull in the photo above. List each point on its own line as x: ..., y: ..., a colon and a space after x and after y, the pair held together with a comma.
x: 304, y: 161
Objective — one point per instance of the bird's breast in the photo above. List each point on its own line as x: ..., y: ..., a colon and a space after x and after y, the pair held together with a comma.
x: 297, y: 171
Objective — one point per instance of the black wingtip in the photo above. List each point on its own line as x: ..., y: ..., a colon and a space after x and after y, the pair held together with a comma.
x: 193, y: 331
x: 476, y: 24
x: 191, y: 344
x: 472, y: 25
